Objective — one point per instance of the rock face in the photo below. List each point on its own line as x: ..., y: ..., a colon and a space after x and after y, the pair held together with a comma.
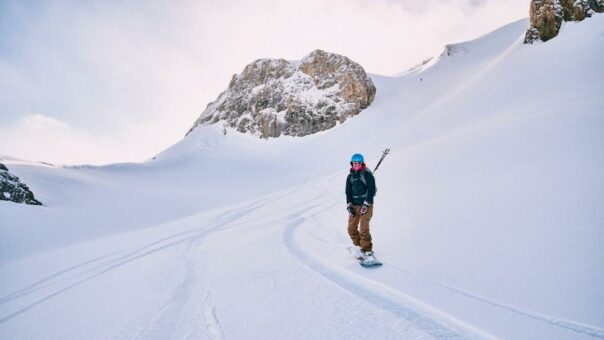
x: 11, y: 188
x: 547, y: 15
x: 274, y: 97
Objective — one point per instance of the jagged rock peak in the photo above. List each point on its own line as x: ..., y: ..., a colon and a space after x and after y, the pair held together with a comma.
x: 273, y: 97
x: 546, y: 16
x: 12, y: 189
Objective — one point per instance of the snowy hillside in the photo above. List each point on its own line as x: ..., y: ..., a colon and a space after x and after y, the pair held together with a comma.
x: 488, y: 217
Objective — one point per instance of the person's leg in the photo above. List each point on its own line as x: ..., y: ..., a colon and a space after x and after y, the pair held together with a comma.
x: 353, y: 226
x: 365, y: 235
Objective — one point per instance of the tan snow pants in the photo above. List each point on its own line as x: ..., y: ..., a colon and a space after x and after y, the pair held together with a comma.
x: 360, y: 237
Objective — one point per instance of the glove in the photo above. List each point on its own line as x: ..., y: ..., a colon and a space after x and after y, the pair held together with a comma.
x: 364, y: 207
x: 350, y: 209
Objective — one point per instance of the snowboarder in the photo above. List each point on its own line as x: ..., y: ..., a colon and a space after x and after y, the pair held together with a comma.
x: 360, y: 189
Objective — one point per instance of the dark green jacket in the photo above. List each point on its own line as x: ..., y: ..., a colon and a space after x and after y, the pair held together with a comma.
x: 359, y: 190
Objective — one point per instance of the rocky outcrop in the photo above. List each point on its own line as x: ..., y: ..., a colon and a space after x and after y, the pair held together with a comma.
x: 546, y: 16
x: 454, y: 49
x: 11, y: 188
x: 274, y: 97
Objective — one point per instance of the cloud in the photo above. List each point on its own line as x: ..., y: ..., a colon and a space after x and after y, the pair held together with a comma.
x: 42, y: 138
x: 38, y: 122
x: 38, y: 137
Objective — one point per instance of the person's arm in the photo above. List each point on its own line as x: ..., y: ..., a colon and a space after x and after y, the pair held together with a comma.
x: 348, y: 190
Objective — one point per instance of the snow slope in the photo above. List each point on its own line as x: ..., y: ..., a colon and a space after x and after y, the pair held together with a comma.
x: 488, y: 217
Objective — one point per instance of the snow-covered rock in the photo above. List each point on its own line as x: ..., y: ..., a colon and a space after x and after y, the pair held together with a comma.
x: 274, y: 97
x: 547, y: 16
x: 12, y: 189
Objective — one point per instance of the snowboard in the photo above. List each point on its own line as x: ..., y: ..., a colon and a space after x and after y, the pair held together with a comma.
x: 364, y: 261
x: 371, y: 261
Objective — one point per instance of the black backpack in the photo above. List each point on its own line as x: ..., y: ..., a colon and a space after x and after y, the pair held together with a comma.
x: 365, y: 180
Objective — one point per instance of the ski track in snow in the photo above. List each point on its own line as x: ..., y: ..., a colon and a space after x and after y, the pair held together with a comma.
x: 433, y: 322
x: 63, y: 280
x: 567, y: 324
x: 47, y: 281
x: 187, y: 300
x: 382, y: 297
x: 212, y: 322
x: 153, y: 324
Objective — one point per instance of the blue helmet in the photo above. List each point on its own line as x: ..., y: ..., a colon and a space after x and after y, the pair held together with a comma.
x: 357, y: 157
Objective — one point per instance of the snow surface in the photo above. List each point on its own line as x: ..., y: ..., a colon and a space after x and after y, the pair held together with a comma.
x: 488, y: 217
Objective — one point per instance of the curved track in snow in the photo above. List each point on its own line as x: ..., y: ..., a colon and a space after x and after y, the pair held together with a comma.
x: 300, y: 232
x: 427, y: 319
x: 195, y: 273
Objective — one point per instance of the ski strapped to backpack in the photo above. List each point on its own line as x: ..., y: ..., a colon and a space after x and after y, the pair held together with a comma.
x: 384, y: 154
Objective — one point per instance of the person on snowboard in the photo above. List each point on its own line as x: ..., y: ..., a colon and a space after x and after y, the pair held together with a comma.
x: 360, y: 190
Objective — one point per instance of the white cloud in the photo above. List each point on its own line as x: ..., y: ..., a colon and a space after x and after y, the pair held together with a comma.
x: 41, y: 138
x: 38, y: 122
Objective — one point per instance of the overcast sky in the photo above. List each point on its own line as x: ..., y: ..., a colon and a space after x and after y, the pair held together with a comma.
x: 112, y: 81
